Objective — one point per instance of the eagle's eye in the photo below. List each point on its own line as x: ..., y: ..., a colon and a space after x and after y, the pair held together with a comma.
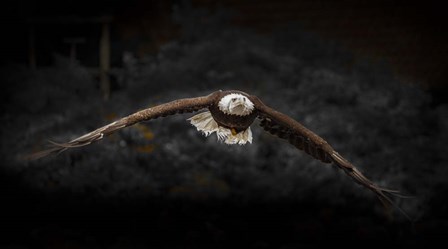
x: 233, y: 99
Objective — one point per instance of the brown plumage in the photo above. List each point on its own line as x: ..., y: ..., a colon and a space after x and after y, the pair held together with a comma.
x: 272, y: 121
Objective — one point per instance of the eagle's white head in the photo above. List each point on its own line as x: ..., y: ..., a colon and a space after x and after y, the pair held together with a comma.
x: 236, y: 104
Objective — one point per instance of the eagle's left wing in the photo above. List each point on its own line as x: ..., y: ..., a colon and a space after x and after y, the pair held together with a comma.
x: 304, y: 139
x: 163, y: 110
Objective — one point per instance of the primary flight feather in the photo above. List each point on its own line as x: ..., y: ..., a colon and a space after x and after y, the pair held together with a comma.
x: 230, y: 114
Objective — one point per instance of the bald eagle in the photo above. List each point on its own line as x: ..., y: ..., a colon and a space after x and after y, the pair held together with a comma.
x: 230, y: 114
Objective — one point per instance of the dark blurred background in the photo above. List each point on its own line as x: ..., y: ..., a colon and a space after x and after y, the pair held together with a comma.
x: 368, y: 76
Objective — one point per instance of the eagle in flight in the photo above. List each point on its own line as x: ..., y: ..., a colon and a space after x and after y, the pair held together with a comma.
x: 230, y: 114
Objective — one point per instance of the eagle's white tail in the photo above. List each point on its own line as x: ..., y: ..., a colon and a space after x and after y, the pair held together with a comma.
x: 205, y: 123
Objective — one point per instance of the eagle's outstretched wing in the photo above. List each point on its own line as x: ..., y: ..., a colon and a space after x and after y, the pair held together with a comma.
x: 304, y: 139
x: 163, y: 110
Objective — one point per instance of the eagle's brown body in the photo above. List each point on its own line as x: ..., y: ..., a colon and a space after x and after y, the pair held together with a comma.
x: 272, y: 121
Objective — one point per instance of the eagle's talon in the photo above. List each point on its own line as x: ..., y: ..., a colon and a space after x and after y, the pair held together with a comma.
x: 233, y: 131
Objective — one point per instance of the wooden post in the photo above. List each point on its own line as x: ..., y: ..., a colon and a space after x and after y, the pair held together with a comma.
x: 73, y: 42
x: 31, y: 48
x: 104, y: 44
x: 105, y: 60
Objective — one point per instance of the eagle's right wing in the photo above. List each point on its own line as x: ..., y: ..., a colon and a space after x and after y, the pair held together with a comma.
x: 285, y: 127
x: 174, y: 107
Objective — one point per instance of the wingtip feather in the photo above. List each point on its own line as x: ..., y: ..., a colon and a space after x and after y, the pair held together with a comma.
x: 381, y: 192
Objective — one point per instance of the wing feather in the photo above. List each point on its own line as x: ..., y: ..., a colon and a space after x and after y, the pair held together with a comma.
x: 304, y: 139
x: 163, y: 110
